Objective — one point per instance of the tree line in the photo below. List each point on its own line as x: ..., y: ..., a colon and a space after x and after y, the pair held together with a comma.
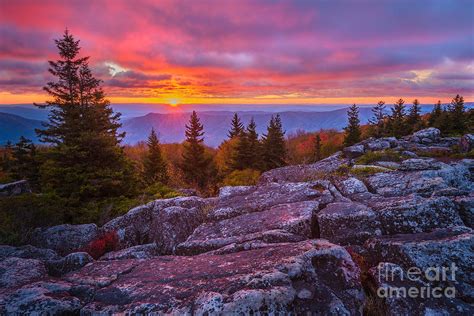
x: 452, y: 120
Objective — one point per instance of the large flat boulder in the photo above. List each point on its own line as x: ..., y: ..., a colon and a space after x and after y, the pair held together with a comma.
x: 307, y: 277
x: 267, y: 195
x: 301, y: 173
x: 280, y: 223
x: 414, y: 214
x: 348, y: 223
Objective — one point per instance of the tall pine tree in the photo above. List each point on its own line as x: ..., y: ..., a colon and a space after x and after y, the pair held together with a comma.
x: 86, y: 160
x: 457, y: 116
x: 155, y: 168
x: 352, y: 131
x: 254, y: 147
x: 274, y: 147
x: 377, y: 122
x: 435, y: 114
x: 196, y: 165
x: 414, y: 121
x: 236, y: 127
x: 397, y: 123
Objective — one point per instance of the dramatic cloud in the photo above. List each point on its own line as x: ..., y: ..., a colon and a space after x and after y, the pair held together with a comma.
x: 247, y: 51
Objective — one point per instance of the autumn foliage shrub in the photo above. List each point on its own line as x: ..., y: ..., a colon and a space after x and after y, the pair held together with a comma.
x: 105, y: 243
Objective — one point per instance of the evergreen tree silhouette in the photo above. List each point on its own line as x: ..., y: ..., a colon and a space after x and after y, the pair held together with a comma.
x: 195, y: 163
x: 155, y: 168
x: 377, y: 122
x: 274, y: 148
x: 457, y: 116
x: 86, y: 160
x: 352, y: 131
x: 414, y: 120
x: 397, y: 124
x: 236, y: 127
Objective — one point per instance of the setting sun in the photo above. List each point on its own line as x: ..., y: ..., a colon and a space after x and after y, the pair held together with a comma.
x: 174, y: 102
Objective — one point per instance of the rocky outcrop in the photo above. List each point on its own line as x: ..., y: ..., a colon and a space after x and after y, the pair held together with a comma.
x: 15, y: 188
x: 71, y: 262
x: 284, y: 278
x: 28, y: 252
x: 467, y: 143
x: 426, y: 136
x: 281, y: 223
x: 65, y: 239
x: 146, y: 251
x: 15, y: 271
x: 441, y: 260
x: 160, y: 221
x: 309, y: 239
x: 348, y: 223
x: 300, y: 173
x: 263, y: 197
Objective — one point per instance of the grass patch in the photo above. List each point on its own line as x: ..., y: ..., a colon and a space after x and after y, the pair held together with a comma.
x: 384, y: 155
x: 367, y: 171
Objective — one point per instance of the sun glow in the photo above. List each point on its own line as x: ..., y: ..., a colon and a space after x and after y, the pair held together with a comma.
x: 174, y: 102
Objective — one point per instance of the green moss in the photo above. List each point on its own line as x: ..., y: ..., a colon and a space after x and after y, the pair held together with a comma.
x: 384, y: 155
x: 241, y: 177
x: 367, y: 171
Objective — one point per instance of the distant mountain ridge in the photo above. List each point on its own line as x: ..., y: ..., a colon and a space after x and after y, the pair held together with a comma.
x: 13, y: 126
x: 17, y: 121
x: 170, y: 127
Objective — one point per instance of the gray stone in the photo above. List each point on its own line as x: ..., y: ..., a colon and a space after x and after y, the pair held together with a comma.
x: 15, y: 188
x: 466, y: 143
x: 323, y: 273
x: 419, y: 164
x: 42, y: 298
x: 348, y: 223
x: 354, y: 151
x: 28, y: 252
x: 135, y: 227
x: 414, y: 214
x: 300, y: 173
x: 351, y: 186
x: 71, y: 262
x: 146, y: 251
x: 65, y: 239
x: 280, y: 223
x: 440, y: 248
x: 173, y: 225
x: 432, y: 134
x: 16, y: 272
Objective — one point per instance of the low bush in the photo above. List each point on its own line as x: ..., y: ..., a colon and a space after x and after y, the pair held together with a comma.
x: 242, y: 177
x: 105, y: 243
x: 367, y: 171
x: 374, y: 156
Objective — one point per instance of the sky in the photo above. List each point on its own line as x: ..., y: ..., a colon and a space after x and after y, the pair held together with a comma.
x: 239, y: 51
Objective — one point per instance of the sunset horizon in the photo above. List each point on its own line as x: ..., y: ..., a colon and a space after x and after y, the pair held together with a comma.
x: 247, y: 52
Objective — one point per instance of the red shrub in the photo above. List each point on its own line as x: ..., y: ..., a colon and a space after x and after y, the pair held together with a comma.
x: 105, y: 243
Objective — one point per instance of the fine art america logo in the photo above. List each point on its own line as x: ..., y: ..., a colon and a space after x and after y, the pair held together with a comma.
x: 432, y: 282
